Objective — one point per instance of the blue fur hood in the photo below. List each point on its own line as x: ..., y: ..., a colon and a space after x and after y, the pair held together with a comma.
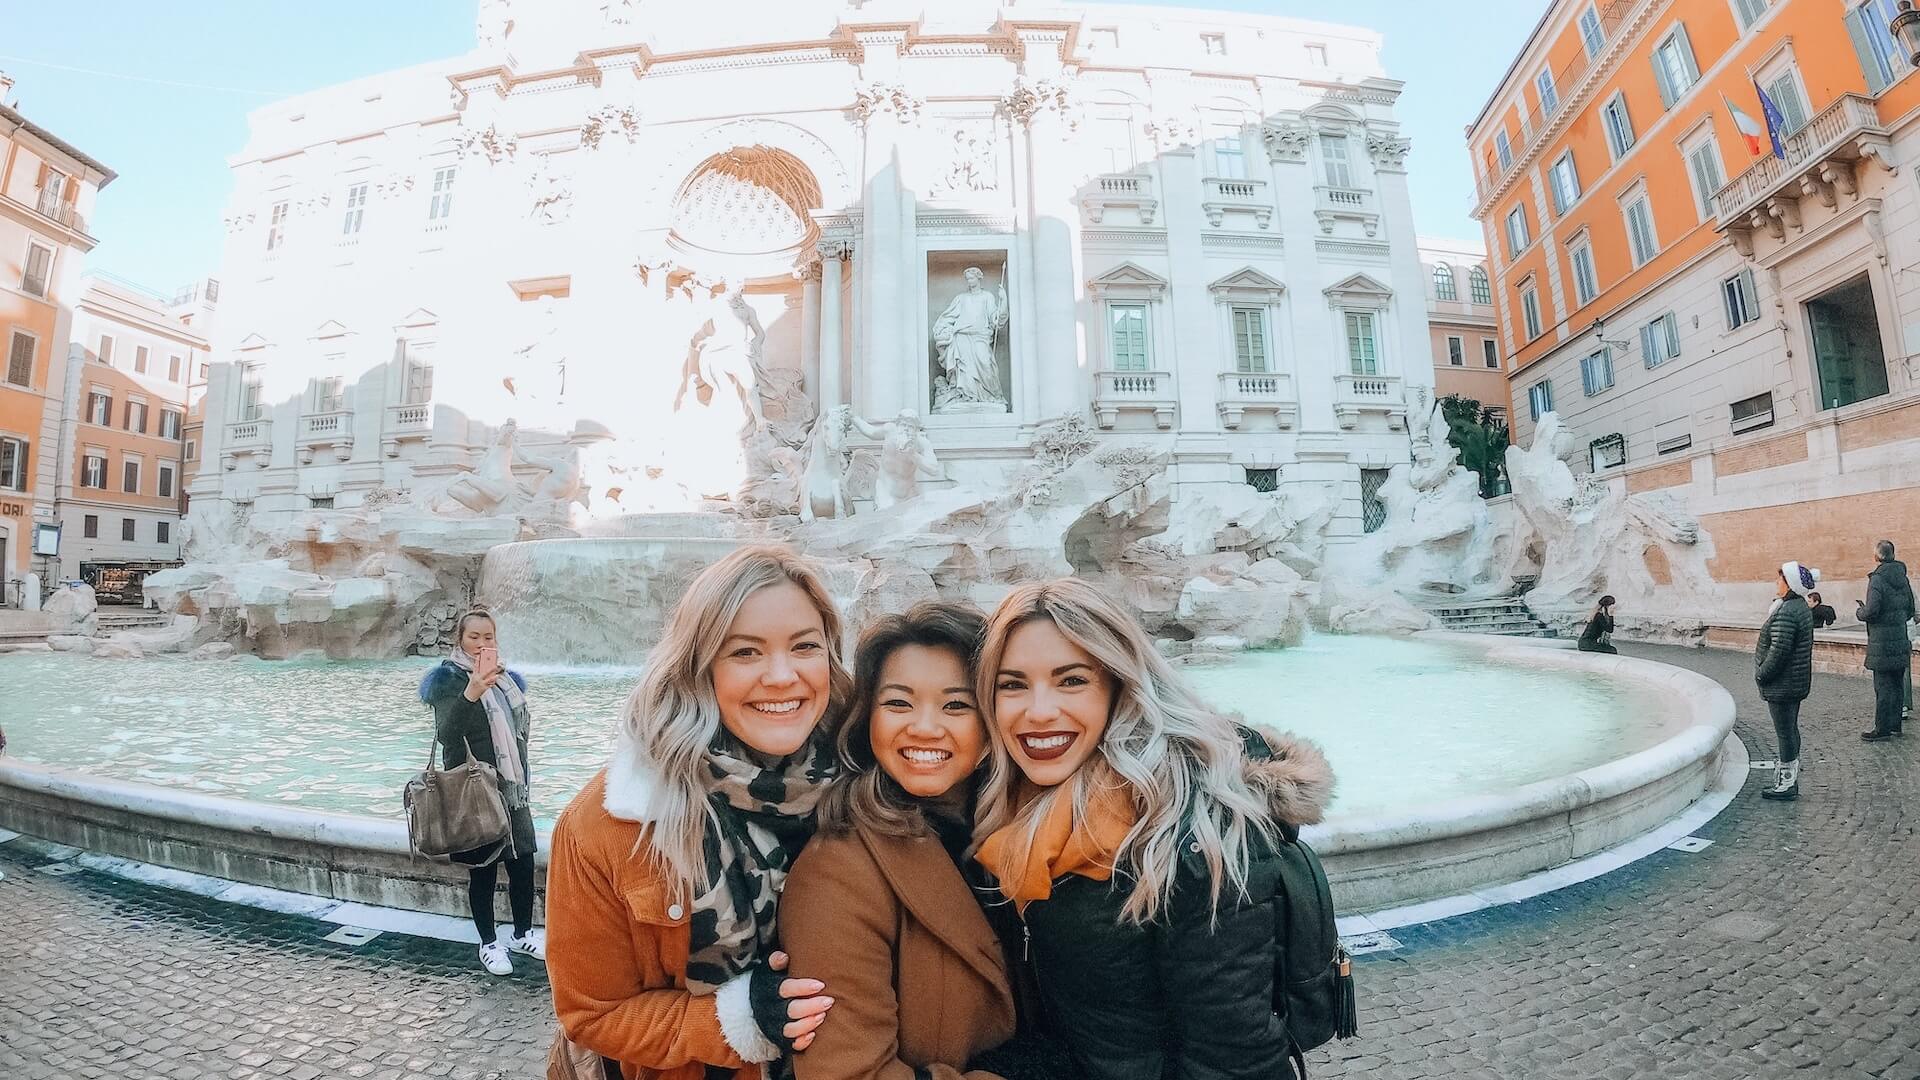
x: 447, y: 678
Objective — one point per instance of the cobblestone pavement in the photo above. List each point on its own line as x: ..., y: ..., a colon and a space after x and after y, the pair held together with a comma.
x: 1812, y: 971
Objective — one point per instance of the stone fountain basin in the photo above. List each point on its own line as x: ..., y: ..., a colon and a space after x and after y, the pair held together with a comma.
x: 1375, y: 861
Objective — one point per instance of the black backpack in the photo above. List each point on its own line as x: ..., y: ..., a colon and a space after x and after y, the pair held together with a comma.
x: 1312, y: 973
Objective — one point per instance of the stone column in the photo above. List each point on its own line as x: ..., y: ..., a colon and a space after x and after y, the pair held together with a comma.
x: 830, y: 348
x: 810, y: 325
x: 1048, y: 107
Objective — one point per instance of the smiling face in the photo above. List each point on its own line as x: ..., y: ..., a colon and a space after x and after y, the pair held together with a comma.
x: 926, y: 731
x: 771, y: 677
x: 1051, y: 701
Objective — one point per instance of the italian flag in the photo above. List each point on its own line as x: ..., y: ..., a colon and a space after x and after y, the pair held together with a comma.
x: 1749, y: 128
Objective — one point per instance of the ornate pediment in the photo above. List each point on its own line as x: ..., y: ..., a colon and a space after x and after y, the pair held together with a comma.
x: 330, y: 329
x: 417, y: 319
x: 1360, y: 290
x: 1128, y: 279
x: 1248, y: 284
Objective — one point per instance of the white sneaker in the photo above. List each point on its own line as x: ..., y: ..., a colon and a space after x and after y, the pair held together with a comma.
x: 493, y: 957
x: 533, y: 943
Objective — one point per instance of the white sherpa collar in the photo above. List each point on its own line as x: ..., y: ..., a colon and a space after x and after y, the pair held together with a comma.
x: 632, y: 783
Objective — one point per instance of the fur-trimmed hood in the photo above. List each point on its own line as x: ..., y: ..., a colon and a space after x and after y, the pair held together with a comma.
x: 447, y: 678
x: 1295, y: 777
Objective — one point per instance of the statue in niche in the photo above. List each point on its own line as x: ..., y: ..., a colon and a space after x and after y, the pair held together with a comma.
x: 544, y: 352
x: 969, y: 378
x: 734, y: 358
x: 905, y: 455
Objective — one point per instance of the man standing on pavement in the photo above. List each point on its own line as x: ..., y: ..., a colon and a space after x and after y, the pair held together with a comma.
x: 1888, y: 606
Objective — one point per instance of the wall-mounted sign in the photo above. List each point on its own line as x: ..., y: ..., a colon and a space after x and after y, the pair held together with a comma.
x: 13, y: 509
x: 46, y: 539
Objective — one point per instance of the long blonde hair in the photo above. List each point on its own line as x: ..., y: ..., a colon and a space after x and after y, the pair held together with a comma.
x: 672, y: 717
x: 1181, y: 762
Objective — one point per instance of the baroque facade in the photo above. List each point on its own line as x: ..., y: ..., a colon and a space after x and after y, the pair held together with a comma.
x: 664, y: 246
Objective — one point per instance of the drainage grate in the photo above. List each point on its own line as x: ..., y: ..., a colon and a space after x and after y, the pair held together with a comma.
x: 352, y: 935
x: 1690, y: 844
x: 1362, y: 944
x: 1741, y: 926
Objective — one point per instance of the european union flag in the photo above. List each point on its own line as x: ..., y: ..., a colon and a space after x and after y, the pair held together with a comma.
x: 1776, y: 123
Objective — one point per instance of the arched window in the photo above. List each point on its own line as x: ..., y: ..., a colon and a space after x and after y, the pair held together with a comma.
x: 1443, y: 283
x: 1477, y: 281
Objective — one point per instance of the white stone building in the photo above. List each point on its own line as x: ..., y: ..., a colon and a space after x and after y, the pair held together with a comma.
x: 1200, y: 222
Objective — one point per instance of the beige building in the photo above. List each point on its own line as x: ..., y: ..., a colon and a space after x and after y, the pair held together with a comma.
x: 1467, y: 359
x: 122, y: 469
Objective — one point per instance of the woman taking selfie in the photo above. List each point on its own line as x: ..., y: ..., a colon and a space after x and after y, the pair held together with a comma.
x: 880, y: 905
x: 480, y: 710
x: 1136, y: 829
x: 667, y: 868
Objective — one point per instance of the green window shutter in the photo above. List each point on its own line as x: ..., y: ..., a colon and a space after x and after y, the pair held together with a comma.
x: 1863, y: 48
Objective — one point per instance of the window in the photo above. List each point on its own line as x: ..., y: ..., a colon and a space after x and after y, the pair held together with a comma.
x: 1845, y: 328
x: 1737, y: 296
x: 1591, y: 33
x: 1881, y: 57
x: 1673, y: 66
x: 1127, y: 336
x: 1783, y: 90
x: 20, y: 359
x: 1619, y: 126
x: 90, y: 527
x: 203, y: 371
x: 126, y: 529
x: 319, y: 502
x: 1660, y: 340
x: 140, y: 356
x: 1530, y: 308
x: 193, y: 450
x: 130, y: 476
x: 1750, y: 413
x: 99, y: 408
x: 1703, y: 168
x: 1749, y: 12
x: 1443, y: 287
x: 1549, y: 100
x: 1596, y: 372
x: 1490, y: 352
x: 1640, y: 231
x: 1673, y: 444
x: 356, y: 210
x: 106, y: 348
x: 1214, y: 44
x: 440, y: 208
x: 93, y: 471
x: 1263, y: 479
x: 1363, y: 349
x: 1250, y: 339
x: 277, y: 227
x: 1373, y: 509
x: 164, y: 481
x: 1504, y: 147
x: 1456, y: 351
x: 161, y: 532
x: 1565, y: 181
x: 1607, y: 452
x: 1317, y: 55
x: 13, y: 464
x: 1229, y: 158
x: 330, y: 393
x: 250, y: 408
x: 173, y: 369
x: 39, y: 267
x: 1517, y: 238
x: 53, y: 192
x: 1339, y: 166
x: 1540, y: 399
x: 1482, y: 289
x: 135, y: 417
x: 419, y: 374
x: 169, y: 424
x: 1585, y: 285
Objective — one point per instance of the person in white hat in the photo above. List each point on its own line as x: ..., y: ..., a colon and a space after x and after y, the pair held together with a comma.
x: 1783, y: 669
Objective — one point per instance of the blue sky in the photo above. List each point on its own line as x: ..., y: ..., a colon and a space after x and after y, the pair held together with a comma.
x: 160, y: 93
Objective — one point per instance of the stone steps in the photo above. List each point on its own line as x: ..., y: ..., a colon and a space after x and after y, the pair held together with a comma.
x: 112, y: 621
x: 1504, y: 616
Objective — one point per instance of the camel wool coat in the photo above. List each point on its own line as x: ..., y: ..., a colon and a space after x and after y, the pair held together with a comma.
x: 866, y: 913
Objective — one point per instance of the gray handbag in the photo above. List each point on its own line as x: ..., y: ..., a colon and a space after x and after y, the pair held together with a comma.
x: 457, y: 809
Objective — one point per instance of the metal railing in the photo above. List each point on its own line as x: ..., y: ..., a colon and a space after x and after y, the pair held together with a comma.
x: 59, y: 210
x: 1828, y: 134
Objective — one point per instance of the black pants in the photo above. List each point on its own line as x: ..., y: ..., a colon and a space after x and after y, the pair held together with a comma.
x: 1889, y: 692
x: 481, y: 881
x: 1786, y: 726
x: 1596, y: 646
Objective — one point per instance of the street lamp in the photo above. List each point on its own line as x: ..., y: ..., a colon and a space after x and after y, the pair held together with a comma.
x: 1906, y: 30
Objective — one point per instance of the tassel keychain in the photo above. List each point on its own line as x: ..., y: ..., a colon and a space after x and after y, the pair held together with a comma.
x: 1346, y: 1021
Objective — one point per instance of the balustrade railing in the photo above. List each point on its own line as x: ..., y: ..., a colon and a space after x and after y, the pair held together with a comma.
x: 1828, y: 134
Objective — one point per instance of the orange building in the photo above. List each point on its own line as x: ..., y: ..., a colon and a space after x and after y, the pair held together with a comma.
x: 1734, y: 328
x: 47, y: 190
x: 1467, y: 358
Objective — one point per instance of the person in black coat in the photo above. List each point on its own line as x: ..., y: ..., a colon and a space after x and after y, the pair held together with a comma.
x: 479, y: 708
x: 1783, y: 670
x: 1823, y: 613
x: 1886, y: 610
x: 1598, y: 636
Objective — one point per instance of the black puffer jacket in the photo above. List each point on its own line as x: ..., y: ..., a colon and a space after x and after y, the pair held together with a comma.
x: 1184, y: 998
x: 460, y: 725
x: 1888, y: 606
x: 1783, y: 658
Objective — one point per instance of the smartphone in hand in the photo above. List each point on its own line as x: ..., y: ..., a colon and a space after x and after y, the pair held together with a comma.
x: 488, y: 660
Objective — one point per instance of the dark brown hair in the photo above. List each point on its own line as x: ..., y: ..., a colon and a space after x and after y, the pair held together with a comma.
x: 864, y: 795
x: 474, y: 612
